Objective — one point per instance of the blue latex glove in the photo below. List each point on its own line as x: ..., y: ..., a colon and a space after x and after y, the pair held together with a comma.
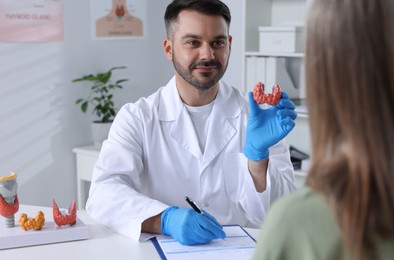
x: 189, y: 227
x: 268, y: 126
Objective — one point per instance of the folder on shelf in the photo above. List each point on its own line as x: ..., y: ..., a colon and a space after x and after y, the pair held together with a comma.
x: 255, y: 72
x: 271, y: 70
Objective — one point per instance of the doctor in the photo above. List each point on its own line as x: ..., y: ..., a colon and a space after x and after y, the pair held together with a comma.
x: 193, y: 137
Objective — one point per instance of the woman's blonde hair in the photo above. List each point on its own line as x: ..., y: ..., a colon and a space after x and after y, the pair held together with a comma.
x: 350, y: 91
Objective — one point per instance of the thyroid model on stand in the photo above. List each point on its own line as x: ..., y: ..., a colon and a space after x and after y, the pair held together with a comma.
x: 9, y: 203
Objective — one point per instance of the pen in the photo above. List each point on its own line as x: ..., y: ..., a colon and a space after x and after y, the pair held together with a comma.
x: 193, y: 205
x: 198, y: 210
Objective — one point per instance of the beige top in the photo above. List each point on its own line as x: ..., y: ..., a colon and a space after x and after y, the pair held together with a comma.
x: 301, y: 226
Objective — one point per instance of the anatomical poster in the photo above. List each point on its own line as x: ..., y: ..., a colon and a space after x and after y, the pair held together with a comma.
x: 118, y: 19
x: 31, y: 20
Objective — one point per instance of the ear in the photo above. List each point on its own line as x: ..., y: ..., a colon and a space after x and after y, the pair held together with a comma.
x: 168, y: 49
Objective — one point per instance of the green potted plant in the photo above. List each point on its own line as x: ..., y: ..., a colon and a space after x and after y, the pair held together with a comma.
x: 101, y: 98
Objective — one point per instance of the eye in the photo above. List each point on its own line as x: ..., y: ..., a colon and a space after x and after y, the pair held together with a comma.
x: 218, y: 43
x: 193, y: 43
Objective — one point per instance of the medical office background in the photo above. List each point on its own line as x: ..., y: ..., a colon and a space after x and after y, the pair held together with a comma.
x: 40, y: 124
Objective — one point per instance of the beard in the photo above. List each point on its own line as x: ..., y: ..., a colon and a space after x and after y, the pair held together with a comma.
x: 186, y: 73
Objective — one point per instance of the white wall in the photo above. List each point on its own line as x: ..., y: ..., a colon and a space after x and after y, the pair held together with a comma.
x: 234, y: 74
x: 39, y: 121
x: 288, y: 12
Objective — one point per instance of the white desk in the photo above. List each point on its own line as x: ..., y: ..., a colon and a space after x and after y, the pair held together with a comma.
x: 86, y: 157
x: 103, y: 244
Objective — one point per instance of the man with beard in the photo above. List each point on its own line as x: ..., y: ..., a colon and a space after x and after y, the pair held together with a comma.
x: 193, y: 137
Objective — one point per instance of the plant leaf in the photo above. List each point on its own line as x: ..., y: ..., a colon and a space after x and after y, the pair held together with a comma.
x: 120, y: 81
x: 101, y: 94
x: 84, y: 106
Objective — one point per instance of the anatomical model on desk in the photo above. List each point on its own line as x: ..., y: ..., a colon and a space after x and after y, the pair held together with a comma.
x: 9, y: 203
x: 62, y: 226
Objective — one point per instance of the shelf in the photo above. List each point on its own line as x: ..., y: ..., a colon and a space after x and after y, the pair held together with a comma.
x: 301, y: 107
x: 299, y: 178
x: 274, y: 54
x: 302, y: 112
x: 302, y: 115
x: 300, y: 173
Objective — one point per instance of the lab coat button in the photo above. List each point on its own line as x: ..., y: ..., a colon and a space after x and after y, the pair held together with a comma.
x: 206, y: 205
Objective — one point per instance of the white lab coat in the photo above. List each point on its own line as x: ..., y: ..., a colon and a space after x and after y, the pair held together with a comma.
x: 152, y: 160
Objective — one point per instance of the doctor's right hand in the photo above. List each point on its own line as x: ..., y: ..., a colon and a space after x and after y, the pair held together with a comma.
x: 189, y: 227
x: 268, y: 126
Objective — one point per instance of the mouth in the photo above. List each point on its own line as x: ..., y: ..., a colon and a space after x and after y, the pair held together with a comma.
x: 206, y: 67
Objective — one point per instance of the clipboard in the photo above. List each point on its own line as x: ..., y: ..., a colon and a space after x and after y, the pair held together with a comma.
x: 238, y: 244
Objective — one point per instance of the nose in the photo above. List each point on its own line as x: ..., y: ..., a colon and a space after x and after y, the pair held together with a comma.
x: 207, y: 52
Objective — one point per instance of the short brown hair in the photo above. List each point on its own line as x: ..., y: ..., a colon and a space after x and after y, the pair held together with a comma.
x: 209, y: 7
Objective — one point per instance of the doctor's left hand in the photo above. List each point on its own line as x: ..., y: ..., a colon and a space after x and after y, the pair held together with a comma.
x: 189, y: 227
x: 266, y: 127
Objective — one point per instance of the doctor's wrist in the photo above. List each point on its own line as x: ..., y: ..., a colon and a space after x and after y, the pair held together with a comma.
x: 258, y: 172
x: 152, y: 225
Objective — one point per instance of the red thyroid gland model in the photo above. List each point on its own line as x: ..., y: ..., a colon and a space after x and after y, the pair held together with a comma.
x: 271, y: 99
x: 69, y: 218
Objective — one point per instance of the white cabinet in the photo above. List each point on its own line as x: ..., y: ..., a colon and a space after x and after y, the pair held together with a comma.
x: 86, y: 157
x: 248, y: 65
x: 281, y: 21
x: 246, y: 15
x: 299, y: 137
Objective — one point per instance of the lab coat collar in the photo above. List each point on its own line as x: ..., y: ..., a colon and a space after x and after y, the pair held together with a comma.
x: 170, y: 104
x: 171, y: 108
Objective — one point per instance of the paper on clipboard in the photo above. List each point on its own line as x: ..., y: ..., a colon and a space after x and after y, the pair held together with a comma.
x: 238, y: 244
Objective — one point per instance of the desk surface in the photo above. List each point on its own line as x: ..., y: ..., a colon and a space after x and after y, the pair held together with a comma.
x: 102, y: 244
